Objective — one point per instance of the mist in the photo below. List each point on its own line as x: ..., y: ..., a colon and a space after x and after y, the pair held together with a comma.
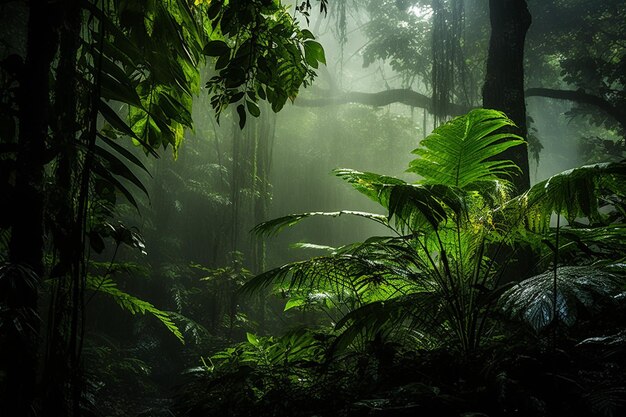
x: 328, y: 208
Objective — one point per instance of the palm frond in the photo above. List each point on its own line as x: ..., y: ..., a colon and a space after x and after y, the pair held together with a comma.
x: 345, y: 274
x: 374, y: 186
x: 601, y: 242
x: 532, y: 300
x: 574, y: 193
x: 606, y: 401
x: 419, y: 309
x: 306, y: 245
x: 274, y: 226
x: 414, y: 206
x: 463, y: 152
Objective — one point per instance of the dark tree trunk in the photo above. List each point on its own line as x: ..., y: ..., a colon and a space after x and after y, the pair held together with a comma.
x: 60, y: 368
x: 27, y: 234
x: 504, y: 90
x: 504, y: 81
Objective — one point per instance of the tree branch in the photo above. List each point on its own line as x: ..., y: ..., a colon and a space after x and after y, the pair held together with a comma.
x: 415, y: 99
x: 581, y: 97
x: 379, y: 99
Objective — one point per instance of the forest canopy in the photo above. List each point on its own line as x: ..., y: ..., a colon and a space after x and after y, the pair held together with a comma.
x: 169, y: 224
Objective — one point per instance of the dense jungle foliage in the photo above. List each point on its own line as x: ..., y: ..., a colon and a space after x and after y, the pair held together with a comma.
x: 313, y: 208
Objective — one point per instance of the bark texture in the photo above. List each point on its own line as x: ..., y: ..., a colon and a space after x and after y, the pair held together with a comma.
x: 504, y: 81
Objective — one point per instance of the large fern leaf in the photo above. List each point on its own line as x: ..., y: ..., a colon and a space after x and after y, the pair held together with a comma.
x: 413, y: 205
x: 574, y: 193
x: 463, y: 152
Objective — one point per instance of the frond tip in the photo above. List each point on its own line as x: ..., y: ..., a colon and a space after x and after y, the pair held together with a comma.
x: 464, y: 152
x: 274, y: 226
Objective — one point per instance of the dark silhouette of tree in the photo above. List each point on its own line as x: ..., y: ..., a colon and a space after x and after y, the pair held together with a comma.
x: 504, y: 79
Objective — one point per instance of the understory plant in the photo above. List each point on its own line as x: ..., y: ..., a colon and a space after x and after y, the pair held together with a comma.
x: 454, y: 235
x: 405, y: 317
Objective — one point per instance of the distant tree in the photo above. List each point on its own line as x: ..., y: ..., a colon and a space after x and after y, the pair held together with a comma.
x: 576, y: 53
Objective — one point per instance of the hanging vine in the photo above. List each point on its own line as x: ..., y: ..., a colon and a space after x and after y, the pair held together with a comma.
x: 448, y: 67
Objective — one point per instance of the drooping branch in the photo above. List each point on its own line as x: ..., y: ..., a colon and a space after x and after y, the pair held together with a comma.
x: 379, y: 99
x: 581, y: 97
x: 415, y: 99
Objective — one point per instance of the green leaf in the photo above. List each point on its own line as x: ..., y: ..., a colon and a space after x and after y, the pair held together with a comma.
x: 112, y: 89
x: 216, y: 48
x: 236, y: 97
x: 116, y: 122
x: 111, y: 116
x: 252, y: 339
x: 131, y: 303
x: 175, y: 110
x: 123, y: 151
x: 222, y: 62
x: 117, y: 167
x: 274, y: 226
x: 242, y: 115
x: 261, y: 92
x: 578, y: 287
x: 253, y: 108
x: 463, y: 152
x: 576, y: 192
x: 314, y: 53
x: 106, y: 175
x: 294, y: 302
x: 306, y: 34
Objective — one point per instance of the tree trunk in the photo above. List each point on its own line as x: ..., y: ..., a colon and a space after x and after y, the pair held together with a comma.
x: 27, y: 237
x: 504, y: 81
x: 60, y: 370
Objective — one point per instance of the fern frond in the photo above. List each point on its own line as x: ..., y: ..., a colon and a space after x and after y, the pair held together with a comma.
x: 574, y: 193
x: 197, y: 331
x: 274, y: 226
x: 414, y: 206
x: 463, y: 152
x: 131, y: 303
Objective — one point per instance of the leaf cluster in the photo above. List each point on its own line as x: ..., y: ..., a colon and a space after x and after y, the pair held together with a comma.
x: 261, y: 54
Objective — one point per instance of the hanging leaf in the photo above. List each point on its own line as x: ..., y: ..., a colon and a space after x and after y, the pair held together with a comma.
x: 253, y: 108
x: 216, y: 48
x: 131, y: 303
x: 242, y: 115
x: 314, y: 53
x: 123, y: 151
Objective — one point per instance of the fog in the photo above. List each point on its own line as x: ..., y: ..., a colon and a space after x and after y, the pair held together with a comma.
x: 161, y: 276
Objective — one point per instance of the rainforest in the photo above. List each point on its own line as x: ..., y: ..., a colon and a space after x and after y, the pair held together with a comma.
x: 314, y: 208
